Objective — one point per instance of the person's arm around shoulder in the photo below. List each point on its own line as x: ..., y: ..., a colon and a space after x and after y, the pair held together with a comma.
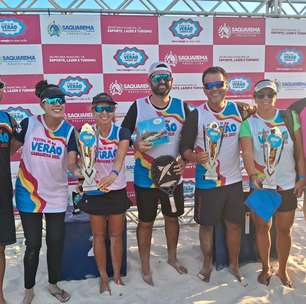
x: 123, y: 146
x: 246, y: 144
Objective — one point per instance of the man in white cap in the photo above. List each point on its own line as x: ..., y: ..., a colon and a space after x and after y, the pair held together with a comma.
x: 7, y: 225
x: 174, y: 111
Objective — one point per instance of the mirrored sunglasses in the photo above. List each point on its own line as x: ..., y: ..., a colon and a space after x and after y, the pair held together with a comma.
x: 157, y: 78
x: 54, y: 100
x: 214, y: 84
x: 262, y: 96
x: 100, y: 108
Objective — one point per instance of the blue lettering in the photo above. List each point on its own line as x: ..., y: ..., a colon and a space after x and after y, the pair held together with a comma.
x: 46, y: 148
x: 4, y: 138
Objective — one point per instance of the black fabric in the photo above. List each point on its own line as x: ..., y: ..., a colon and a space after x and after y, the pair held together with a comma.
x: 32, y: 227
x: 72, y: 144
x: 149, y: 198
x: 245, y: 110
x: 289, y: 201
x: 7, y: 226
x: 51, y: 91
x: 113, y: 202
x: 130, y: 118
x: 21, y: 131
x: 124, y: 134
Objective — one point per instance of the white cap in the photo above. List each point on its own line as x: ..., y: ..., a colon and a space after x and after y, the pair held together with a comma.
x: 266, y: 83
x: 159, y: 66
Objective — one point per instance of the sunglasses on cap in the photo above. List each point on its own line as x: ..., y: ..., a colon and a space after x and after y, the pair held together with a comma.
x: 262, y: 95
x: 2, y: 85
x: 157, y: 78
x: 107, y: 109
x: 214, y: 84
x: 54, y: 100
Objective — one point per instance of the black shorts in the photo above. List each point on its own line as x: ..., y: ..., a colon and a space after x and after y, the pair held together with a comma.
x: 289, y: 201
x: 7, y: 227
x: 113, y: 202
x: 148, y: 198
x: 212, y: 205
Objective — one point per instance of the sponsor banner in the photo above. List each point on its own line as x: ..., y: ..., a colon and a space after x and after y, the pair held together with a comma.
x: 189, y: 171
x: 285, y: 58
x: 129, y: 167
x: 129, y: 29
x: 125, y: 88
x: 70, y: 30
x: 131, y: 193
x: 233, y: 30
x: 185, y: 30
x: 129, y: 58
x: 188, y: 86
x: 189, y: 187
x: 192, y: 104
x: 80, y: 58
x: 22, y: 111
x: 121, y: 110
x: 235, y: 58
x: 14, y: 171
x: 241, y: 85
x: 20, y: 89
x: 79, y: 114
x: 19, y: 29
x: 284, y: 103
x: 190, y: 59
x: 283, y: 31
x: 16, y: 60
x: 290, y: 85
x: 78, y: 87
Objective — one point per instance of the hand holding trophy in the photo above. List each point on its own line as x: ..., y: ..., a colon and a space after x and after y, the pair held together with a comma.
x: 273, y: 144
x: 213, y: 137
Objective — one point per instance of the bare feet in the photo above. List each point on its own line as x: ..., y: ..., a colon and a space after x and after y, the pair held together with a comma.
x: 235, y: 272
x: 104, y: 286
x: 264, y: 277
x: 178, y: 267
x: 28, y: 296
x: 118, y: 281
x: 148, y: 278
x: 285, y: 279
x: 60, y: 294
x: 204, y: 275
x: 2, y: 300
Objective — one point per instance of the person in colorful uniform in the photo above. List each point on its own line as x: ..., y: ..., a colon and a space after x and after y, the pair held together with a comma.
x: 223, y: 197
x: 49, y: 149
x: 290, y: 183
x: 174, y: 111
x: 107, y: 204
x: 7, y: 224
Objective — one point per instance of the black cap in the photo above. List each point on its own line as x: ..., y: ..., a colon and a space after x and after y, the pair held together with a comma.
x: 51, y: 91
x: 2, y: 84
x: 103, y: 97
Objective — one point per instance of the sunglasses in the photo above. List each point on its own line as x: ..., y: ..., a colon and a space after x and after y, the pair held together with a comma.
x: 262, y: 96
x: 107, y: 109
x: 157, y: 78
x: 2, y: 85
x: 54, y: 100
x: 214, y: 84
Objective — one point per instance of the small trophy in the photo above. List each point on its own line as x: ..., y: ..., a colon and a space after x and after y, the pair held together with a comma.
x: 273, y: 144
x: 88, y: 144
x: 213, y: 137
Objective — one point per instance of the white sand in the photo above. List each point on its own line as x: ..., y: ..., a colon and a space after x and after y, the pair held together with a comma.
x: 170, y: 287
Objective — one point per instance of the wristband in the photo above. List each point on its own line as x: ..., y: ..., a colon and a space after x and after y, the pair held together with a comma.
x: 301, y: 177
x: 115, y: 171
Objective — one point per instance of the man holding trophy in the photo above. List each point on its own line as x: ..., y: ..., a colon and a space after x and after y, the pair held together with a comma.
x: 273, y: 160
x: 157, y: 109
x: 210, y: 139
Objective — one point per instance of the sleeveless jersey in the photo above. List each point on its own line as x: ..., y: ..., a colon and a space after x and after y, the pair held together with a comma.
x: 174, y: 115
x: 42, y: 183
x: 106, y: 154
x: 6, y: 130
x: 228, y: 160
x: 285, y: 170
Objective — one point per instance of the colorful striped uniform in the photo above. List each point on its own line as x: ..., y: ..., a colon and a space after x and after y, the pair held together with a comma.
x: 174, y: 115
x: 254, y: 127
x: 42, y: 184
x: 228, y: 161
x: 106, y: 154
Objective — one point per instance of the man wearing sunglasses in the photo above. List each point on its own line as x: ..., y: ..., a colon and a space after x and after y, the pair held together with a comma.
x: 174, y: 111
x: 7, y: 225
x: 222, y: 198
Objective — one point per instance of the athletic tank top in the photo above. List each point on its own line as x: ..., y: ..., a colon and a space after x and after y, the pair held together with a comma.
x: 42, y: 184
x: 174, y: 115
x: 228, y: 161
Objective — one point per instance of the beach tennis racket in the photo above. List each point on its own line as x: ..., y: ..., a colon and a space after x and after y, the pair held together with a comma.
x: 165, y: 178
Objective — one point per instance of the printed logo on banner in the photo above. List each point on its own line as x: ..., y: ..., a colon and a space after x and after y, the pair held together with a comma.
x: 55, y: 29
x: 78, y: 114
x: 239, y: 84
x: 11, y: 27
x: 130, y: 57
x: 189, y: 187
x: 290, y: 57
x: 18, y: 59
x: 173, y: 59
x: 75, y: 86
x: 289, y: 85
x: 185, y: 28
x: 226, y: 31
x: 19, y: 113
x: 116, y: 88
